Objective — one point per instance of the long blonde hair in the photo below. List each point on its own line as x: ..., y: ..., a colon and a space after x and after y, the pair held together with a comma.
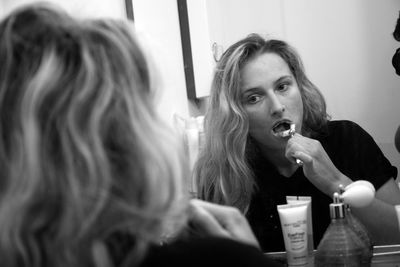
x: 83, y: 153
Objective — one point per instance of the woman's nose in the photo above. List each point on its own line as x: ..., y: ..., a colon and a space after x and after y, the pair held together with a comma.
x: 277, y: 107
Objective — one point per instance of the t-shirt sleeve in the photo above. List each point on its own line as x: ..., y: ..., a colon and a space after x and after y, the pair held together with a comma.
x: 356, y: 154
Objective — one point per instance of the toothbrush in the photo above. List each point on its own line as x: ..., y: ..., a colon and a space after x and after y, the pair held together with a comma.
x: 291, y: 133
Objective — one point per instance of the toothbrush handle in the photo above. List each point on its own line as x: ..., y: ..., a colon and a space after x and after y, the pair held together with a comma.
x: 291, y: 133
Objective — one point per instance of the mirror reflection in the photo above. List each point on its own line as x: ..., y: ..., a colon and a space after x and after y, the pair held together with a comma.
x: 340, y: 53
x: 253, y: 102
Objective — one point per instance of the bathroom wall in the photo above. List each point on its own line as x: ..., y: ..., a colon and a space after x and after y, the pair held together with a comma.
x: 347, y: 48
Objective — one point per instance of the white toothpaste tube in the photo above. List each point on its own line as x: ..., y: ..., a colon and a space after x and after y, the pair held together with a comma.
x: 293, y: 219
x: 307, y: 201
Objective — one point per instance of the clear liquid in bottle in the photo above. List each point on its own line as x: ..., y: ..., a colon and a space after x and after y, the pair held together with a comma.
x: 340, y: 245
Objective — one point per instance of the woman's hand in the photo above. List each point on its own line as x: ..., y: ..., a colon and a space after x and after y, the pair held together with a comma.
x: 317, y: 166
x: 224, y: 221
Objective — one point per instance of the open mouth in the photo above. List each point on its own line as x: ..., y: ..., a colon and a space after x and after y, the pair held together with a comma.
x: 283, y: 129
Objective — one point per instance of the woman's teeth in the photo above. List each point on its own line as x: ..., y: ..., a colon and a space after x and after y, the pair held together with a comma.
x: 283, y: 131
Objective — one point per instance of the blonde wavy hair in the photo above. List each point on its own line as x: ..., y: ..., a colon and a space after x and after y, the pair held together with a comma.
x: 83, y: 151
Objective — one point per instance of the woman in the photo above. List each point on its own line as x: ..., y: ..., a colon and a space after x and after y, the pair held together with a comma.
x: 90, y: 175
x: 260, y: 92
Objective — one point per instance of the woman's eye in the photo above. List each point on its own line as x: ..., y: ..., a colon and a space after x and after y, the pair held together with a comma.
x: 253, y: 99
x: 283, y: 87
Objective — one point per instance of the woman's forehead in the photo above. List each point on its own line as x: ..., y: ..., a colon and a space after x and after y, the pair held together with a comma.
x: 263, y: 67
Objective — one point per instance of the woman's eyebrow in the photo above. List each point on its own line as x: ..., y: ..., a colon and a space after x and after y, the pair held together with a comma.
x: 283, y: 78
x: 251, y: 90
x: 257, y: 89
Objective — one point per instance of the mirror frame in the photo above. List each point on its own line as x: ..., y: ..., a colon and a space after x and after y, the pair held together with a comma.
x: 129, y: 9
x: 186, y: 49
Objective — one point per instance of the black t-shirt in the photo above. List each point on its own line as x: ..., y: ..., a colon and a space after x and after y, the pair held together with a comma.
x: 202, y: 252
x: 351, y: 149
x: 189, y: 250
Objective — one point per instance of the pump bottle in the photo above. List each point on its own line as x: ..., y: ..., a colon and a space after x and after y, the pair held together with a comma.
x: 361, y: 232
x: 340, y: 245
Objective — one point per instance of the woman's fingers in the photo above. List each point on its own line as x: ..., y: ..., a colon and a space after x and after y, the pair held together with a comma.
x: 305, y: 158
x: 222, y: 221
x: 204, y: 221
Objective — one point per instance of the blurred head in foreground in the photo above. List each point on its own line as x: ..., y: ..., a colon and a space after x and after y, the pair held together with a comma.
x: 83, y: 152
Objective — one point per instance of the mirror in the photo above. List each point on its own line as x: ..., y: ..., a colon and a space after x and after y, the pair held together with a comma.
x: 346, y: 47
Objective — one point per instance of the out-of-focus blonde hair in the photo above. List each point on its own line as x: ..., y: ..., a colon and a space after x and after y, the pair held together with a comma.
x: 83, y: 153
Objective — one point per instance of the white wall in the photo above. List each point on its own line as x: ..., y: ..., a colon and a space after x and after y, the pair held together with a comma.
x: 347, y: 48
x: 220, y: 23
x: 159, y: 20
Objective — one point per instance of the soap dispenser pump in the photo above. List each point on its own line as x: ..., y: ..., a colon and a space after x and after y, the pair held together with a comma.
x: 340, y: 245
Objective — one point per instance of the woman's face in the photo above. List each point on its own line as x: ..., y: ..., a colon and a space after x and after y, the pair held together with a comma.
x: 271, y: 98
